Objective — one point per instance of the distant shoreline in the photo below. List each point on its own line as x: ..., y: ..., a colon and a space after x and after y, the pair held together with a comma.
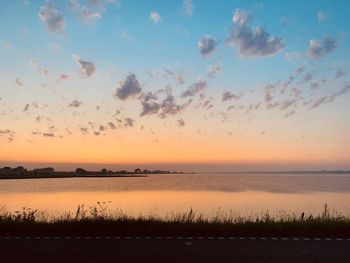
x: 17, y: 177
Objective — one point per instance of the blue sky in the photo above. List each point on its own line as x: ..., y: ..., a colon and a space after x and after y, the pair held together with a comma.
x: 270, y: 63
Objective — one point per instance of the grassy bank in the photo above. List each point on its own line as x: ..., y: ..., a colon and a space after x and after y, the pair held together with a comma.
x: 100, y: 220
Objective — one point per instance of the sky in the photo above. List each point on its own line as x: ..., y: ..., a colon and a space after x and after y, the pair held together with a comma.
x: 186, y: 84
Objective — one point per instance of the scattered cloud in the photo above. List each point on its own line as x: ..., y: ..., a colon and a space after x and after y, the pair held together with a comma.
x: 128, y: 122
x: 52, y: 18
x: 207, y: 45
x: 339, y: 74
x: 5, y: 44
x: 187, y: 7
x: 180, y: 122
x: 149, y: 108
x: 111, y: 125
x: 26, y: 107
x: 128, y: 88
x: 63, y: 76
x: 48, y: 134
x: 252, y: 42
x: 321, y: 16
x: 293, y: 56
x: 165, y: 107
x: 227, y: 96
x: 19, y: 82
x: 213, y: 70
x: 155, y: 17
x: 90, y: 12
x: 55, y: 47
x: 329, y: 98
x: 75, y: 104
x: 125, y: 35
x: 318, y: 49
x: 195, y: 88
x: 86, y: 69
x: 178, y: 76
x: 289, y: 114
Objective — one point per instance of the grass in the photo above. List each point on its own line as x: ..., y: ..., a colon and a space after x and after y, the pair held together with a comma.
x: 100, y: 220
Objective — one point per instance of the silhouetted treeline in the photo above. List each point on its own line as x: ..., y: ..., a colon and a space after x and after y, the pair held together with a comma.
x: 136, y: 171
x: 20, y: 171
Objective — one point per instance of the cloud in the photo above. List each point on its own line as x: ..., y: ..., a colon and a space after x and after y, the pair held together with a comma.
x: 252, y: 42
x: 125, y: 35
x: 180, y: 122
x: 26, y: 107
x: 177, y: 76
x: 286, y: 104
x: 5, y: 44
x: 90, y: 12
x: 169, y: 106
x: 128, y: 88
x: 84, y: 130
x: 155, y: 17
x: 329, y: 98
x: 187, y: 8
x: 128, y: 122
x: 48, y: 134
x: 318, y: 49
x: 111, y: 125
x: 227, y: 95
x: 53, y: 19
x: 290, y: 113
x: 293, y: 56
x: 63, y: 76
x: 84, y: 13
x: 200, y: 85
x: 19, y: 82
x: 165, y: 107
x: 86, y: 69
x: 321, y: 16
x: 207, y: 45
x: 9, y: 133
x: 55, y: 47
x: 339, y: 74
x: 213, y: 70
x: 149, y: 108
x: 75, y: 104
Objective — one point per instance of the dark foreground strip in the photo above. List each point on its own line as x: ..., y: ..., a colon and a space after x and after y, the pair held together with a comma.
x: 167, y: 238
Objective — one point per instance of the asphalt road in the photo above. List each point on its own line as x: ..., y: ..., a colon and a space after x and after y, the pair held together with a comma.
x: 72, y: 249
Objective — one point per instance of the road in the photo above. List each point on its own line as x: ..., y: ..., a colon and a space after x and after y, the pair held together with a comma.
x: 172, y: 249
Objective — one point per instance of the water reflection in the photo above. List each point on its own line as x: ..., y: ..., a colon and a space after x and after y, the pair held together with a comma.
x: 205, y: 193
x: 162, y: 202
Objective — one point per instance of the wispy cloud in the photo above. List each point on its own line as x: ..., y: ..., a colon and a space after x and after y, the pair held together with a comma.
x: 187, y: 7
x: 213, y: 70
x: 155, y: 17
x: 321, y: 16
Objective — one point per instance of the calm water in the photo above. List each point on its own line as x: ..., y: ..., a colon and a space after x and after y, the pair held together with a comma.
x: 245, y: 194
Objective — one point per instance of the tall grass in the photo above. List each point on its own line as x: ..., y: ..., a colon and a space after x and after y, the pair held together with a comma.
x: 99, y: 218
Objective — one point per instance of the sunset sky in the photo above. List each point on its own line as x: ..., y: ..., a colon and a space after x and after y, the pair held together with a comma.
x: 232, y: 84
